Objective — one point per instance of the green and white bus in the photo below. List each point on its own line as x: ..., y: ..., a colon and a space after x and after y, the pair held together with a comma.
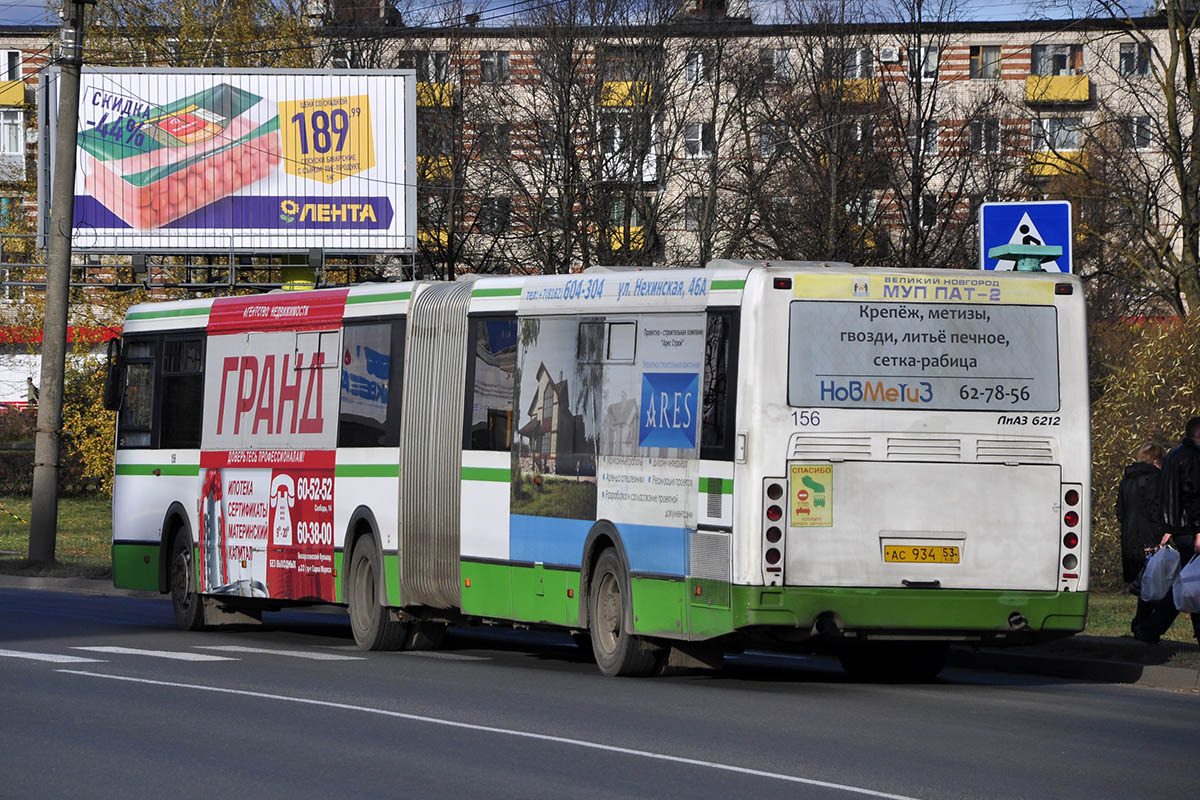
x: 669, y: 464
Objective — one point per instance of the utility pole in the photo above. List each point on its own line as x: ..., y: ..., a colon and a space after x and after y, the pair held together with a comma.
x: 43, y: 519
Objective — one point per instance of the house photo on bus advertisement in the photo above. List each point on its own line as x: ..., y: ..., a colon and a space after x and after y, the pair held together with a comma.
x: 668, y: 464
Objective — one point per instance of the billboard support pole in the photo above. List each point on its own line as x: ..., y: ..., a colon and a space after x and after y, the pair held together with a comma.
x: 43, y: 518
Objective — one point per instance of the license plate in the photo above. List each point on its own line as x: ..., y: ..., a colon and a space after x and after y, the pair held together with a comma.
x: 920, y: 554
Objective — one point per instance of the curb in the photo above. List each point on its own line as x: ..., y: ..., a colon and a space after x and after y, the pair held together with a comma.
x: 1091, y: 669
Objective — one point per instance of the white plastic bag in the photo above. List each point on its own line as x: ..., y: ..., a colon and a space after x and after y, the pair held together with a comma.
x: 1187, y: 588
x: 1160, y: 573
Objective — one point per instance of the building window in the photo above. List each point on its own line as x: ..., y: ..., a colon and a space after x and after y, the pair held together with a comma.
x: 493, y: 66
x: 923, y: 139
x: 700, y: 66
x: 12, y: 143
x: 928, y: 210
x: 494, y: 214
x: 698, y: 139
x: 1137, y: 132
x: 1134, y: 59
x: 772, y: 138
x: 923, y: 63
x: 12, y: 65
x: 495, y: 139
x: 985, y: 135
x: 1056, y: 133
x: 850, y: 63
x: 693, y: 211
x: 775, y: 63
x: 985, y: 62
x: 433, y: 67
x: 616, y: 214
x: 1057, y: 59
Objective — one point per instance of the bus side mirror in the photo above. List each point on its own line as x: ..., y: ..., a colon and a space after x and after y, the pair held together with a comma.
x: 114, y: 377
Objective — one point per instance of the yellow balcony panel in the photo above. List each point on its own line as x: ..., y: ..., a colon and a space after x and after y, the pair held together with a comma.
x: 435, y: 94
x: 617, y: 238
x: 434, y: 169
x: 1057, y: 89
x: 625, y: 94
x: 12, y: 93
x: 854, y: 90
x: 1064, y: 162
x: 433, y: 237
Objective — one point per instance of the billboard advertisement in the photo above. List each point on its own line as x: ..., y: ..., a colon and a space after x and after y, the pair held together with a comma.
x: 217, y: 160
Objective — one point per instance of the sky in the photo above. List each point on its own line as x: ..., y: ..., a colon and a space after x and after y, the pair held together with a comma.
x: 32, y: 12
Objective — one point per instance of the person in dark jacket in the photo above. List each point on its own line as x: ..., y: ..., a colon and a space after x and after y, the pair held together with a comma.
x: 1140, y: 515
x: 1180, y: 499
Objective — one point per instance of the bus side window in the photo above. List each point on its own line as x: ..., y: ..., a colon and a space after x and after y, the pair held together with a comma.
x: 183, y: 392
x: 717, y: 417
x: 136, y: 419
x: 491, y: 383
x: 372, y: 382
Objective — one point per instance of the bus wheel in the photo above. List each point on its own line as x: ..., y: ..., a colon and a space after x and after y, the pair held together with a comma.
x: 189, y: 606
x: 373, y: 628
x: 617, y: 651
x: 894, y: 662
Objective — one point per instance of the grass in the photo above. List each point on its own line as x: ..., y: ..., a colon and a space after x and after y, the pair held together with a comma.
x: 82, y: 547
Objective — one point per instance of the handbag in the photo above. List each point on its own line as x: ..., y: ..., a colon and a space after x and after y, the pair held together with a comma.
x: 1186, y: 588
x: 1160, y: 574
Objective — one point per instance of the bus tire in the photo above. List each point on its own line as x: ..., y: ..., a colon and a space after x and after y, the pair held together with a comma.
x: 894, y: 662
x: 373, y: 627
x: 617, y: 651
x: 181, y: 580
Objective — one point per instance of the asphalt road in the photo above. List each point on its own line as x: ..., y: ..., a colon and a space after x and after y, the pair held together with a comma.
x: 103, y: 697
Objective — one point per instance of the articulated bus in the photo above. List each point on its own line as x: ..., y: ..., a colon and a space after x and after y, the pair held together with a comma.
x: 667, y: 464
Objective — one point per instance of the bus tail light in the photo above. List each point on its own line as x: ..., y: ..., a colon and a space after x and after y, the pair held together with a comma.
x: 1071, y: 556
x: 773, y: 539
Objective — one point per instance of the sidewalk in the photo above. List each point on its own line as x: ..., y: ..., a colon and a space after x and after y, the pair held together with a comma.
x: 1092, y: 658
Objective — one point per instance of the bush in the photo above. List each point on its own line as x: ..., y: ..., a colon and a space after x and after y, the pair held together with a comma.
x: 1146, y: 396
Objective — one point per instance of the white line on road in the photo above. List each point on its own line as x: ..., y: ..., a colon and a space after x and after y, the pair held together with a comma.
x: 176, y: 656
x: 695, y: 762
x: 237, y: 648
x: 57, y: 659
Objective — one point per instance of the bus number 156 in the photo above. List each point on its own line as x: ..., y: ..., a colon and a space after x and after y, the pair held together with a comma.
x: 806, y: 419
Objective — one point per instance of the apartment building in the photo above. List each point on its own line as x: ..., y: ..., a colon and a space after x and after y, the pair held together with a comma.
x: 554, y: 147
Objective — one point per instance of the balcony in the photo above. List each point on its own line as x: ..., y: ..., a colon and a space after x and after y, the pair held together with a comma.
x: 12, y: 93
x: 434, y: 169
x: 1051, y: 165
x: 1057, y: 89
x: 625, y: 94
x: 617, y: 238
x: 435, y: 95
x: 854, y: 90
x: 433, y: 237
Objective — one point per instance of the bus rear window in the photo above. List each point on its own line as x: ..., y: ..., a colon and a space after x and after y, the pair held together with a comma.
x: 944, y: 356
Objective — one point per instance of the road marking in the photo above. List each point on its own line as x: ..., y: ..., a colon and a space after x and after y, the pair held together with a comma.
x: 544, y: 737
x: 176, y: 656
x: 237, y: 648
x: 57, y: 659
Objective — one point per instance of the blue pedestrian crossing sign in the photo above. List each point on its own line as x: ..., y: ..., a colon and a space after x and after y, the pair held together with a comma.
x: 1038, y: 223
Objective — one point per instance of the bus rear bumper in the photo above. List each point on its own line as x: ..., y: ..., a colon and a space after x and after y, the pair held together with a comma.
x: 981, y: 615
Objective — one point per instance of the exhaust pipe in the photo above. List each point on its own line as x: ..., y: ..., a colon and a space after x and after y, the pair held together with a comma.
x: 1017, y: 622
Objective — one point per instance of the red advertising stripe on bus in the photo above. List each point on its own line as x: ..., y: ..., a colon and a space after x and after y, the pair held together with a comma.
x: 301, y: 311
x: 250, y: 459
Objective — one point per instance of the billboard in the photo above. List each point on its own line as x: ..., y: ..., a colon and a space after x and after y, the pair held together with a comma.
x: 214, y: 160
